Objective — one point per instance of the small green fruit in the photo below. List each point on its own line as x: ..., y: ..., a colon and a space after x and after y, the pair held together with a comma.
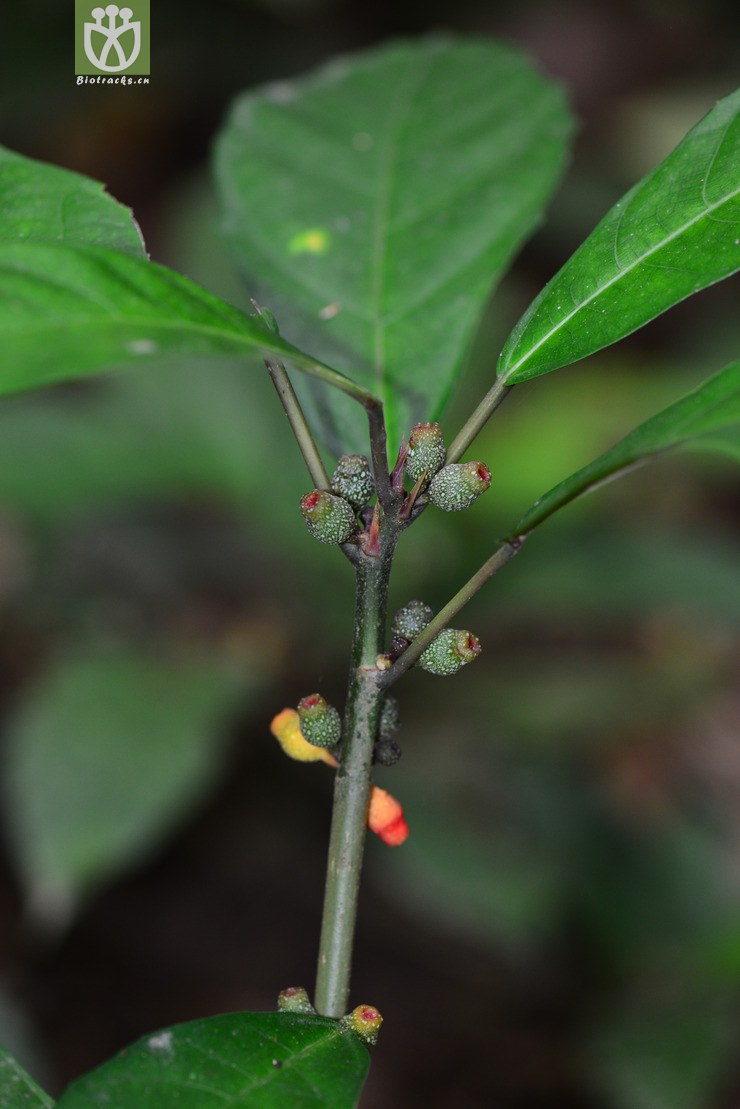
x: 294, y: 1000
x: 449, y: 652
x: 328, y: 518
x: 320, y: 722
x: 411, y: 619
x: 457, y: 486
x: 353, y: 480
x: 426, y: 451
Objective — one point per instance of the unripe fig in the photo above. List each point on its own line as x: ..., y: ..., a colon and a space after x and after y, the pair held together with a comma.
x: 320, y: 722
x: 426, y: 451
x: 449, y: 652
x: 353, y: 480
x: 329, y: 519
x: 411, y: 619
x: 458, y: 485
x: 294, y: 1000
x: 365, y: 1022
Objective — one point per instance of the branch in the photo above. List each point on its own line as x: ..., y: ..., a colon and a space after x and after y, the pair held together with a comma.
x: 478, y: 420
x: 443, y: 617
x: 297, y: 421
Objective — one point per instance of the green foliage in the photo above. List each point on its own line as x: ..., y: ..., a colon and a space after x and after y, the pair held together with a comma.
x: 70, y: 310
x: 392, y: 190
x: 709, y: 417
x: 250, y: 1060
x: 109, y: 752
x: 672, y: 234
x: 17, y: 1089
x: 42, y: 203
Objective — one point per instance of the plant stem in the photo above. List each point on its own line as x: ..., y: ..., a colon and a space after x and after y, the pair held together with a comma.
x: 443, y: 617
x: 297, y: 421
x: 353, y: 781
x: 478, y: 420
x: 379, y: 454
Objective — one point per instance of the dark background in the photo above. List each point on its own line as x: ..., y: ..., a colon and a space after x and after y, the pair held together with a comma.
x: 563, y: 927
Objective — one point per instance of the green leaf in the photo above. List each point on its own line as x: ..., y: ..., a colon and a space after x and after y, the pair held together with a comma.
x: 709, y: 416
x: 17, y: 1089
x: 375, y: 203
x: 44, y: 203
x: 66, y: 311
x: 104, y: 757
x: 255, y: 1060
x: 674, y: 233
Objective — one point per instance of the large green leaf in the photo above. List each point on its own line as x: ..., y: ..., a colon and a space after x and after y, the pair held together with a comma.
x: 102, y: 759
x: 39, y: 202
x: 254, y: 1060
x: 17, y: 1089
x: 674, y: 233
x: 66, y: 311
x: 375, y: 203
x: 709, y: 417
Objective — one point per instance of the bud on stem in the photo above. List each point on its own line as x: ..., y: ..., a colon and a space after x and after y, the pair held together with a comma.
x: 353, y: 480
x: 320, y: 721
x: 426, y: 451
x: 328, y: 518
x: 410, y: 620
x: 457, y: 486
x: 449, y: 652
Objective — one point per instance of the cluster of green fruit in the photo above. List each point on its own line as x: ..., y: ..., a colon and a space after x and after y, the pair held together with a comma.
x: 331, y: 517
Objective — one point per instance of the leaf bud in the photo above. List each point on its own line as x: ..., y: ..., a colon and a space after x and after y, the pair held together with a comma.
x: 365, y: 1022
x: 449, y: 652
x: 329, y: 519
x: 458, y: 485
x: 295, y: 1000
x: 320, y: 722
x: 353, y: 480
x: 411, y: 619
x: 426, y: 451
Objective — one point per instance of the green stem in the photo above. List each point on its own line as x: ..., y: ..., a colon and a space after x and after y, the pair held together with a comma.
x: 299, y: 426
x: 443, y: 617
x: 478, y: 420
x: 353, y: 781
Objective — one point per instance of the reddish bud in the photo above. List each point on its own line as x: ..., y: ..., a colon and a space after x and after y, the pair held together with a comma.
x: 385, y: 818
x: 365, y: 1022
x: 328, y: 518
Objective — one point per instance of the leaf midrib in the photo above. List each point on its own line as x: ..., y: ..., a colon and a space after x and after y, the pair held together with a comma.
x: 705, y: 212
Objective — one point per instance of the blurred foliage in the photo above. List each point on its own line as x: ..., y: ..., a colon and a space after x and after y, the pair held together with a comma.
x: 573, y: 799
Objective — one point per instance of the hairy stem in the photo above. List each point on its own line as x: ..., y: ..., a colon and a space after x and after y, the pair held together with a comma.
x: 299, y: 426
x: 443, y: 617
x: 353, y: 782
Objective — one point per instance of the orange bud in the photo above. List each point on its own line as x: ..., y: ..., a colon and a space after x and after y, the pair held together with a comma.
x: 385, y: 818
x: 287, y: 731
